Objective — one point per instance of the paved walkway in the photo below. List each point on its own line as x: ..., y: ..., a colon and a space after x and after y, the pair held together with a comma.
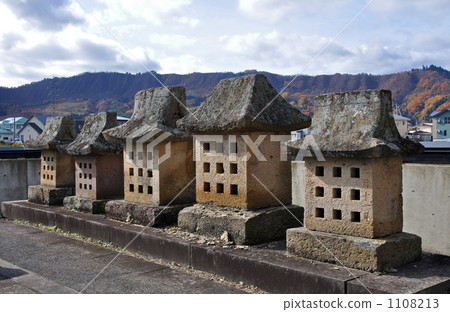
x: 36, y: 261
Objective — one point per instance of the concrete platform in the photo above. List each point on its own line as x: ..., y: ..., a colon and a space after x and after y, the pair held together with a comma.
x: 16, y: 280
x: 38, y: 261
x: 378, y: 254
x: 84, y: 205
x: 266, y: 267
x: 46, y: 195
x: 142, y: 214
x: 243, y: 226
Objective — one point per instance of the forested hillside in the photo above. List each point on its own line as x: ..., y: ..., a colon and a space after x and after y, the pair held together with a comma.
x: 417, y: 92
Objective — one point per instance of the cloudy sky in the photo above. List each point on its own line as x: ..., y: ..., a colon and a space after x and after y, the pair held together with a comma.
x: 46, y: 38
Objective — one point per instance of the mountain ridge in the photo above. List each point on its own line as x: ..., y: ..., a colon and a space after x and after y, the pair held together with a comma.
x: 417, y: 92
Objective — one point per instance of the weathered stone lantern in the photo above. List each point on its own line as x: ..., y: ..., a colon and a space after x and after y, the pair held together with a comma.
x: 353, y: 201
x: 57, y: 169
x: 240, y: 166
x: 98, y: 165
x: 158, y: 159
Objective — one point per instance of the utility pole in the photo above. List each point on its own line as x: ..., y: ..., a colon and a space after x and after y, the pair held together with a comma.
x: 14, y: 123
x: 54, y: 92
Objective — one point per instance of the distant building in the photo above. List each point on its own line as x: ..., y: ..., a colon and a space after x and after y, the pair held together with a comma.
x: 6, y: 135
x: 425, y: 127
x: 420, y: 136
x: 9, y: 124
x: 32, y: 128
x: 441, y: 124
x: 402, y: 124
x: 121, y: 120
x: 299, y: 134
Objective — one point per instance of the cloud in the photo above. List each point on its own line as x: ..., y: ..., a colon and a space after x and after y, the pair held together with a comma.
x: 171, y: 40
x: 60, y: 56
x: 10, y: 40
x: 288, y: 53
x: 282, y: 50
x: 275, y: 11
x: 155, y: 12
x: 48, y: 15
x: 184, y: 64
x: 270, y: 10
x: 416, y: 7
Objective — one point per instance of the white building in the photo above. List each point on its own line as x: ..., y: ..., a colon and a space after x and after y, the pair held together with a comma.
x: 402, y: 124
x: 299, y: 134
x: 32, y: 128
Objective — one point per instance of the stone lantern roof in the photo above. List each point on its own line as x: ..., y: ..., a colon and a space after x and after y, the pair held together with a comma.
x: 91, y: 139
x: 57, y: 131
x: 244, y: 104
x: 155, y: 110
x: 357, y: 124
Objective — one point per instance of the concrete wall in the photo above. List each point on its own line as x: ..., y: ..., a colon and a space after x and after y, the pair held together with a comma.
x: 15, y: 177
x: 426, y: 208
x: 426, y: 205
x: 298, y: 183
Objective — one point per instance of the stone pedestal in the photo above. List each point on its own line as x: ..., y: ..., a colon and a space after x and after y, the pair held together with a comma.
x: 84, y: 205
x: 48, y: 195
x: 143, y: 214
x: 243, y: 226
x: 377, y: 254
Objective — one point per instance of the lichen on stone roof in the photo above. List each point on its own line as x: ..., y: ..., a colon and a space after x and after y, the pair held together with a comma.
x: 91, y: 139
x: 156, y: 109
x: 57, y: 131
x: 357, y: 124
x: 244, y: 104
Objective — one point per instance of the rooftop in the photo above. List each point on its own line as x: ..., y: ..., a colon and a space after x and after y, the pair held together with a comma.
x: 244, y: 104
x: 41, y: 118
x: 357, y: 124
x: 400, y: 117
x: 437, y: 113
x: 156, y: 109
x: 57, y: 131
x: 11, y: 120
x: 91, y: 139
x: 32, y: 125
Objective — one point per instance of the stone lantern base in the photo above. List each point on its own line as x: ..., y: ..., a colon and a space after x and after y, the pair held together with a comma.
x: 86, y: 205
x: 243, y: 226
x: 378, y: 254
x: 143, y: 214
x: 48, y: 195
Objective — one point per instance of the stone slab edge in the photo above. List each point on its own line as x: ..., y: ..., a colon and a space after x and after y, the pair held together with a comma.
x: 143, y: 214
x: 269, y: 270
x: 94, y: 206
x: 47, y: 195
